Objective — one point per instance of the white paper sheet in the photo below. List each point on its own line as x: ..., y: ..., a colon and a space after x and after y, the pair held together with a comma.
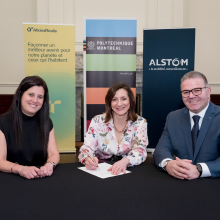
x: 101, y: 171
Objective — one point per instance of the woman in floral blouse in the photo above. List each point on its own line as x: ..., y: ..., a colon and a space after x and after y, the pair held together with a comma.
x: 118, y: 132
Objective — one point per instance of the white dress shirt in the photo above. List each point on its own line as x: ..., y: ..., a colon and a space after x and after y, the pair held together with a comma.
x: 205, y: 169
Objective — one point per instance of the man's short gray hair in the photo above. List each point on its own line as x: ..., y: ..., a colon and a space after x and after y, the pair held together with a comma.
x: 193, y: 75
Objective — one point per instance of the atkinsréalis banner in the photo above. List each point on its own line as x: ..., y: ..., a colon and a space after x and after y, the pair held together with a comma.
x: 50, y: 53
x: 109, y: 53
x: 168, y: 54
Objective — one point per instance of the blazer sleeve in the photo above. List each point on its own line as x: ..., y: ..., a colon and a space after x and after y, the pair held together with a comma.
x: 209, y: 152
x: 164, y: 147
x: 214, y: 167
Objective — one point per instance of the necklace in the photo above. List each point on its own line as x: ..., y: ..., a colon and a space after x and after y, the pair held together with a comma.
x: 117, y: 129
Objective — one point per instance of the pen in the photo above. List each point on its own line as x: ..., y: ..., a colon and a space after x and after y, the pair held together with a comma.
x: 92, y: 159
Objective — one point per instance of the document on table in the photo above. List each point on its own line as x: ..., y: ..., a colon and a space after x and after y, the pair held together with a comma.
x: 101, y: 171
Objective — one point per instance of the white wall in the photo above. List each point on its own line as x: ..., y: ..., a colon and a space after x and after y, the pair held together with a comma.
x: 205, y: 16
x: 12, y: 14
x: 111, y: 8
x: 202, y: 14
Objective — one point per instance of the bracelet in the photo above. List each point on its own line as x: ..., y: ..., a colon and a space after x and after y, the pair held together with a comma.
x: 85, y: 156
x: 20, y: 172
x: 53, y: 164
x: 84, y: 161
x: 12, y: 166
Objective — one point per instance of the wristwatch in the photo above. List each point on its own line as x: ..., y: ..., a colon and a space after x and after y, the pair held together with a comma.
x: 199, y: 168
x: 54, y: 165
x: 164, y: 164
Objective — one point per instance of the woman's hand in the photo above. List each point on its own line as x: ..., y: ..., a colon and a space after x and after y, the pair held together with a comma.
x: 119, y: 166
x: 90, y: 165
x: 29, y: 172
x: 46, y: 170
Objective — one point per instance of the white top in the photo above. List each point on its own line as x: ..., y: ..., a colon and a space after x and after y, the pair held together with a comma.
x: 100, y: 140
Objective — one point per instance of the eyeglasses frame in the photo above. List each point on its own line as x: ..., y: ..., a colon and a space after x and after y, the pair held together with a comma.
x: 192, y: 91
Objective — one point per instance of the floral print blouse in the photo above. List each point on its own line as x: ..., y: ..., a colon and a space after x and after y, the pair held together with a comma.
x: 100, y: 140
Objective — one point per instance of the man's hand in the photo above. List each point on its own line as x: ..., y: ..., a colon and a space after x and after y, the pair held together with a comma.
x: 178, y: 169
x: 194, y: 173
x: 185, y: 160
x: 182, y: 169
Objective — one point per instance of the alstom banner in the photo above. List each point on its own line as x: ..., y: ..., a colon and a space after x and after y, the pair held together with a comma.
x: 167, y: 55
x: 50, y: 53
x: 109, y: 53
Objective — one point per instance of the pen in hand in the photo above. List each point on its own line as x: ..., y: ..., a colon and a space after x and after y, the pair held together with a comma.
x: 92, y: 159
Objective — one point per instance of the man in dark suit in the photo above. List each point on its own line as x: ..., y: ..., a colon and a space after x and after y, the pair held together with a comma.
x: 189, y: 147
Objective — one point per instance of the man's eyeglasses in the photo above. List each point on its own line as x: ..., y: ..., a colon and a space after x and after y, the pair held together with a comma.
x: 195, y: 91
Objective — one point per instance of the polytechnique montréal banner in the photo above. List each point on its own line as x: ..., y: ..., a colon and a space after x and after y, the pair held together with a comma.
x: 109, y: 54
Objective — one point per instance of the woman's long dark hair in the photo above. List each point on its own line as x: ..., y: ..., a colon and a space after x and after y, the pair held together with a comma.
x: 42, y: 115
x: 110, y: 95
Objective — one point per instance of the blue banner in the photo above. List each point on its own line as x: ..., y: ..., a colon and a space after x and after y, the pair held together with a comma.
x: 111, y: 28
x: 167, y: 55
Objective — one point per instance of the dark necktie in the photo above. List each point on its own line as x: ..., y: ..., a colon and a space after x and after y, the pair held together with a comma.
x: 195, y: 131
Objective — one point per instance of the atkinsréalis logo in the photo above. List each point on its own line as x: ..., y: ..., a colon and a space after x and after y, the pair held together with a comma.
x: 29, y: 29
x: 169, y: 62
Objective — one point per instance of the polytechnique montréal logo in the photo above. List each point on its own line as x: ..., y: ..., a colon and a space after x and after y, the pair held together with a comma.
x: 91, y: 45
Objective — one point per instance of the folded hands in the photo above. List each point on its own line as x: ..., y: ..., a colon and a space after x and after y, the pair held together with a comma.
x: 30, y: 172
x: 182, y: 169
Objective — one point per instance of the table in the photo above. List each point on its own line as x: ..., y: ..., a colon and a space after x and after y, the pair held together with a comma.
x: 70, y: 193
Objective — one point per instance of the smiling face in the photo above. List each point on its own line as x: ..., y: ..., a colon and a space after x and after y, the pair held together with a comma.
x: 32, y: 100
x: 120, y: 103
x: 196, y: 103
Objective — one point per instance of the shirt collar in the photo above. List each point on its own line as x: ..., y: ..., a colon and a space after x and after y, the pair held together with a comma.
x: 201, y: 114
x: 111, y: 122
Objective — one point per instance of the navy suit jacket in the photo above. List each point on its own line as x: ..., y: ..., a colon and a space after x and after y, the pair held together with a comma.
x: 176, y: 139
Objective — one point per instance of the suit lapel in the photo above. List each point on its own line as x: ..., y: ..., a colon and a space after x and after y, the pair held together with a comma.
x: 187, y: 132
x: 207, y: 120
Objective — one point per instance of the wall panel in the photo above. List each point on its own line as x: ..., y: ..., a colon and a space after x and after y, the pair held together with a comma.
x: 202, y: 14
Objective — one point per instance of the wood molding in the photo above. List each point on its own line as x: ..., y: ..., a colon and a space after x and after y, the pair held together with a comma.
x: 215, y: 98
x: 6, y: 101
